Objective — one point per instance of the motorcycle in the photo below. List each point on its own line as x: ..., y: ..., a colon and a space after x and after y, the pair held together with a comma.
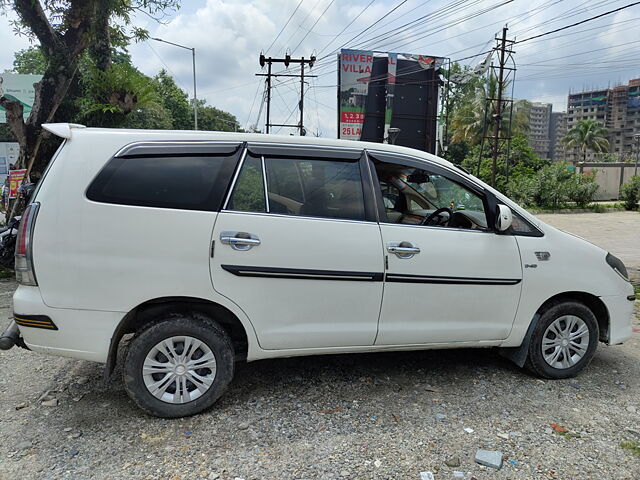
x: 9, y: 233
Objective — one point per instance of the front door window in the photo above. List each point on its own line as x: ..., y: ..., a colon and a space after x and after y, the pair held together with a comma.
x: 419, y: 197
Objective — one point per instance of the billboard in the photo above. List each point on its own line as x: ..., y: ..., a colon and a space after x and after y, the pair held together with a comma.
x: 19, y: 88
x: 388, y: 97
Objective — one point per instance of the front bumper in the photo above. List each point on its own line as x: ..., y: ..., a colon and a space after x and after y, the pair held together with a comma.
x: 621, y: 312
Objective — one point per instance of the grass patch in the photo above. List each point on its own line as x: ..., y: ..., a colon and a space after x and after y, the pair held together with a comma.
x: 633, y: 446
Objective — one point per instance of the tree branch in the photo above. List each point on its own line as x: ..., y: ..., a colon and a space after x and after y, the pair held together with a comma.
x: 32, y: 14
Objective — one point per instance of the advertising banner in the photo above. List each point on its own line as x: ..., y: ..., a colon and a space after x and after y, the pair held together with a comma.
x: 18, y: 88
x: 354, y: 75
x: 15, y: 180
x: 389, y: 97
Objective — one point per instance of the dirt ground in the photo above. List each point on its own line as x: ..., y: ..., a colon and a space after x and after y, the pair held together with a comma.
x: 375, y: 416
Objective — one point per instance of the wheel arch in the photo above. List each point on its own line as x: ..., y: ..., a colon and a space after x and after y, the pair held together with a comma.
x: 147, y: 312
x: 518, y: 355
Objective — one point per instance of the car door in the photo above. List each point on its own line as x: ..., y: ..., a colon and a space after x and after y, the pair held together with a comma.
x: 443, y: 284
x: 297, y: 247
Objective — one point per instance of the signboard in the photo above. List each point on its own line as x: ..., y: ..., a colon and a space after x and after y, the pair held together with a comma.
x: 15, y: 180
x: 19, y: 88
x: 388, y: 97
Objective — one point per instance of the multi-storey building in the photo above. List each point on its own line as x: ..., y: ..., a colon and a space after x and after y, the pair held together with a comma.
x: 539, y: 122
x: 557, y: 131
x: 617, y: 109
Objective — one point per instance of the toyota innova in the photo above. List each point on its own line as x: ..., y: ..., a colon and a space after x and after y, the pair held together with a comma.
x: 208, y: 248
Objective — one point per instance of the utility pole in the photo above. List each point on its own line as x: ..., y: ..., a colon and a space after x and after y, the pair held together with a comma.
x: 503, y: 43
x: 287, y: 60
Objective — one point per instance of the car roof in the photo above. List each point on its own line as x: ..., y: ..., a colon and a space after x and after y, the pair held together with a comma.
x: 67, y: 130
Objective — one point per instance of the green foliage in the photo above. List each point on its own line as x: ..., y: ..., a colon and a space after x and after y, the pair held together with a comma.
x: 248, y: 195
x: 151, y: 116
x: 630, y: 193
x: 5, y: 133
x: 111, y: 94
x: 472, y: 118
x: 523, y: 162
x: 457, y: 152
x: 175, y: 100
x: 211, y: 118
x: 583, y: 188
x: 555, y: 186
x: 633, y: 446
x: 588, y: 135
x: 30, y: 61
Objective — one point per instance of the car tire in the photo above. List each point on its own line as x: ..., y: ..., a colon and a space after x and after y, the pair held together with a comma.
x: 186, y: 360
x: 563, y: 342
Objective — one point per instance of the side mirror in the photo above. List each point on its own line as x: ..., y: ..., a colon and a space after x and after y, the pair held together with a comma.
x: 504, y: 217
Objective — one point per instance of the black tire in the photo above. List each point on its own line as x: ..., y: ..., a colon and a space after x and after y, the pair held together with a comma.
x: 175, y: 325
x: 535, y: 358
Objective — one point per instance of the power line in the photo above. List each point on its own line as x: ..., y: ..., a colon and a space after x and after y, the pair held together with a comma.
x: 313, y: 26
x: 285, y: 26
x: 345, y: 28
x: 579, y: 23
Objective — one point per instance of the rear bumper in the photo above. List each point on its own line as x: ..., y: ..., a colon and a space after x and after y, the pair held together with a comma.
x: 620, y: 315
x: 83, y: 334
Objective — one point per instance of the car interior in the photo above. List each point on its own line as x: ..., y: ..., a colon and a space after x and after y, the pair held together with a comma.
x: 417, y: 197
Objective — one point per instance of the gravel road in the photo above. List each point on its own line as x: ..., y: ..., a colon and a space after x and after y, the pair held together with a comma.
x: 376, y: 416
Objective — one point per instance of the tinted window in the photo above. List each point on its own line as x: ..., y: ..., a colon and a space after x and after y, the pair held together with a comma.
x: 190, y: 183
x: 248, y: 194
x: 306, y: 187
x: 315, y: 188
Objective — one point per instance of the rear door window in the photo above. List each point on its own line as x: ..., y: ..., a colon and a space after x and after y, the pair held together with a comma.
x: 301, y: 187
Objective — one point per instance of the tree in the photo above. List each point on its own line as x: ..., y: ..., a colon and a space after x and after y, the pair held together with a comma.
x: 211, y: 118
x: 65, y: 30
x: 588, y: 135
x: 474, y: 118
x: 175, y: 100
x: 30, y: 61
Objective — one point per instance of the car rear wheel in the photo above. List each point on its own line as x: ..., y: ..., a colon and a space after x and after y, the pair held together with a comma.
x: 563, y: 341
x: 179, y: 366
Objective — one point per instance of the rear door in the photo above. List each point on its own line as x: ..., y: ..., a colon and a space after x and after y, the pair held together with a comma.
x: 298, y: 248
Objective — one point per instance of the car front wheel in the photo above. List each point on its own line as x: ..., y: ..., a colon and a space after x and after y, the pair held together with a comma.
x: 178, y: 366
x: 563, y: 341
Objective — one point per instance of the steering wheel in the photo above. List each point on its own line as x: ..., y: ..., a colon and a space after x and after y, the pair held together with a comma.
x: 438, y: 213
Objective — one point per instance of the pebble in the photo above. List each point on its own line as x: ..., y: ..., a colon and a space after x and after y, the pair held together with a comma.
x: 213, y: 476
x: 452, y: 462
x: 74, y: 452
x: 243, y: 426
x: 377, y: 463
x: 50, y: 403
x: 504, y: 436
x: 457, y: 474
x: 440, y: 416
x: 82, y: 380
x: 631, y: 409
x: 489, y: 458
x: 469, y: 430
x: 426, y: 476
x: 20, y: 406
x: 68, y: 429
x: 25, y: 445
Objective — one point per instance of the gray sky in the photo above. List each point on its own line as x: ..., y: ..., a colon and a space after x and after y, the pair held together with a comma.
x: 229, y: 36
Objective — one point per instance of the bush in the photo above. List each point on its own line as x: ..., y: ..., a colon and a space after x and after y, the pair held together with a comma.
x: 521, y: 190
x: 583, y: 189
x: 630, y: 193
x: 552, y: 187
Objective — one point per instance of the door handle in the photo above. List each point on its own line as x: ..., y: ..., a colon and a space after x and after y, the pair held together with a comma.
x: 403, y: 249
x: 241, y: 241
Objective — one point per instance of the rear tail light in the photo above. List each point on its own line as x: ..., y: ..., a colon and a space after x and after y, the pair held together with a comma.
x: 25, y: 273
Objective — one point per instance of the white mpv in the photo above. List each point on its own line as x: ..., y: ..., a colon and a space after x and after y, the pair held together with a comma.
x: 207, y: 248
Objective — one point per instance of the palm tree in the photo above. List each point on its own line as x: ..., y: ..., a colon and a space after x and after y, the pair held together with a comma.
x: 588, y: 135
x: 472, y: 121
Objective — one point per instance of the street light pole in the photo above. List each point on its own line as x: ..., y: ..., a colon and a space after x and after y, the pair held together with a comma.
x: 195, y: 95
